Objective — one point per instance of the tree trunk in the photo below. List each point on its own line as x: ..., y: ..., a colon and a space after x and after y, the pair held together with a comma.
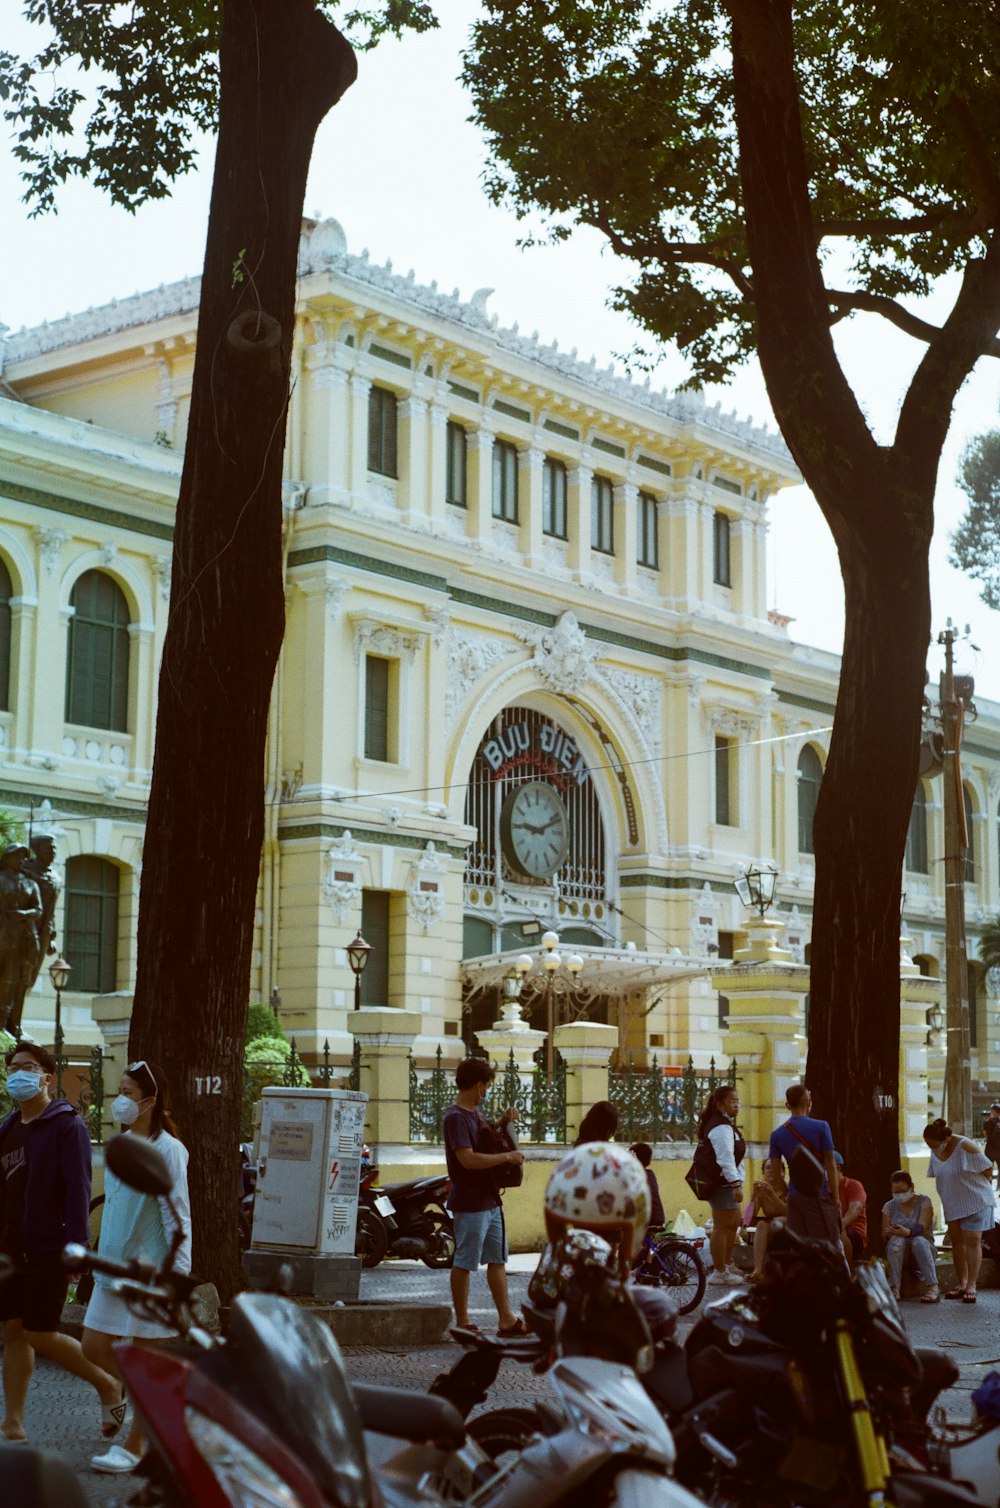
x: 282, y: 67
x: 860, y: 835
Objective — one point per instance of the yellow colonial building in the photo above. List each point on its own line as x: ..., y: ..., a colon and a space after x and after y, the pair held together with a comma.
x: 530, y: 683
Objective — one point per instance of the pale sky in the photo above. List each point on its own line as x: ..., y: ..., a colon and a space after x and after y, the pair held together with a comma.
x: 398, y: 164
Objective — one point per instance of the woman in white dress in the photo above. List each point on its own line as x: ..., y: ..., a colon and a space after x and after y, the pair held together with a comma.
x: 964, y: 1183
x: 136, y: 1225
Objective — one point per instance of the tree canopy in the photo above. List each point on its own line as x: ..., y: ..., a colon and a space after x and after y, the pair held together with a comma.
x: 975, y: 544
x: 621, y: 115
x: 118, y: 93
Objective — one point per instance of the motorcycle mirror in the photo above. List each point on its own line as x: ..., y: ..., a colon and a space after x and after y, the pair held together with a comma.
x: 137, y: 1163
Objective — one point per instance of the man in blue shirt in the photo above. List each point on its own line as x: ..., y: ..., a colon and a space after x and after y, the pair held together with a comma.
x: 813, y: 1211
x: 474, y: 1202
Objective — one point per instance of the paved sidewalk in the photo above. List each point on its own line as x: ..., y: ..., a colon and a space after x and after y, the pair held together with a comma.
x: 62, y: 1414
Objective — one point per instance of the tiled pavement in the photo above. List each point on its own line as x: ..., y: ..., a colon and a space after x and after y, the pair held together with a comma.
x: 62, y: 1414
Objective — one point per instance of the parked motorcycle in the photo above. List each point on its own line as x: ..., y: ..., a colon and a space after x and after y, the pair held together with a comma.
x: 804, y: 1389
x: 404, y: 1220
x: 267, y: 1419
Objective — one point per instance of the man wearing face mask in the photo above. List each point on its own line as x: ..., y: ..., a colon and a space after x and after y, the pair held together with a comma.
x: 44, y: 1203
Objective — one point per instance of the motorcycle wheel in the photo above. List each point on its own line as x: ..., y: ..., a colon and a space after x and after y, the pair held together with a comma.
x: 677, y: 1267
x: 372, y: 1239
x: 442, y: 1237
x: 503, y: 1433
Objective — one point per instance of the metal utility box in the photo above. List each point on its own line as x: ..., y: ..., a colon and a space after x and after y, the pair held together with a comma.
x: 310, y: 1162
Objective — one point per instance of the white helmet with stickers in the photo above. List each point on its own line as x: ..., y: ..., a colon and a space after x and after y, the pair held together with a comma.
x: 599, y: 1187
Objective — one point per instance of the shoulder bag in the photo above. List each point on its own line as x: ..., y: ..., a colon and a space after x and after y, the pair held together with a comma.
x: 497, y: 1138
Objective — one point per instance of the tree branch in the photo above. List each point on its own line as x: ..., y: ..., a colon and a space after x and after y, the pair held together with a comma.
x: 909, y: 225
x: 875, y: 303
x: 656, y: 248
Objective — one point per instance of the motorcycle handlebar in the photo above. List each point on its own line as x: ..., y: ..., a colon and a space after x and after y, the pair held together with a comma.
x: 144, y: 1274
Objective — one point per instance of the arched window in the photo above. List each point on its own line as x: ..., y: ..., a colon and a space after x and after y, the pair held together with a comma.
x: 969, y: 874
x: 91, y: 940
x: 810, y: 775
x: 6, y: 592
x: 916, y: 836
x: 97, y: 654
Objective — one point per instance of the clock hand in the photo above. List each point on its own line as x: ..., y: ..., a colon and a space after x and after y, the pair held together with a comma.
x: 527, y: 827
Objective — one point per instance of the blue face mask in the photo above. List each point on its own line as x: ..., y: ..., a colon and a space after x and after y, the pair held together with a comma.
x: 23, y: 1084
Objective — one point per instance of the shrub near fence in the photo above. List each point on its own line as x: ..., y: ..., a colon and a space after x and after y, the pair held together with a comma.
x: 656, y: 1106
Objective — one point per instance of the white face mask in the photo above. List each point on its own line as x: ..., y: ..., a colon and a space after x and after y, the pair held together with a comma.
x: 905, y: 1196
x: 124, y: 1112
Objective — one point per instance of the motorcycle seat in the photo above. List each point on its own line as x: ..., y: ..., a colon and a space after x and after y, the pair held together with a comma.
x: 667, y: 1382
x: 416, y: 1417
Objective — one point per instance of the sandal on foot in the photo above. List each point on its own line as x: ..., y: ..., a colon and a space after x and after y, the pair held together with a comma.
x: 112, y: 1418
x: 955, y: 1293
x: 932, y: 1296
x: 969, y: 1298
x: 517, y: 1328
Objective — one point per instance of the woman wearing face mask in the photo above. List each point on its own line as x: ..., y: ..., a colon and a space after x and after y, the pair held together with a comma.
x: 136, y: 1225
x: 907, y: 1222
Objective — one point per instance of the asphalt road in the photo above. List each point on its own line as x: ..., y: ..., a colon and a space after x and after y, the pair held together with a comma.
x: 62, y: 1415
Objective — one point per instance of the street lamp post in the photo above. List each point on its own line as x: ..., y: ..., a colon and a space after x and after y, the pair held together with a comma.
x: 755, y: 887
x: 357, y: 957
x: 59, y: 973
x: 552, y: 963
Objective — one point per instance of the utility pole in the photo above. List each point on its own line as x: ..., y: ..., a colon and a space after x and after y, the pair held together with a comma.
x: 958, y: 1064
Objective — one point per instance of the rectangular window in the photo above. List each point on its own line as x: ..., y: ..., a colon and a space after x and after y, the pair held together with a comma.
x: 648, y: 545
x: 382, y: 431
x: 456, y: 486
x: 554, y: 498
x: 721, y: 570
x: 377, y: 690
x: 724, y: 804
x: 91, y: 928
x: 505, y: 481
x: 376, y: 933
x: 602, y: 516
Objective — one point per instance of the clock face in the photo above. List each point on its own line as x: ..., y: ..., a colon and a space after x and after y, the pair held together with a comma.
x: 534, y: 830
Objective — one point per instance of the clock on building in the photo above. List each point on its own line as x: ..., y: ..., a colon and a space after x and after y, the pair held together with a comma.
x: 534, y: 831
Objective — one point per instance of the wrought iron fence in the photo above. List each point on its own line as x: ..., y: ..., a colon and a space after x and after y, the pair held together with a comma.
x: 655, y: 1105
x: 540, y: 1100
x: 89, y: 1102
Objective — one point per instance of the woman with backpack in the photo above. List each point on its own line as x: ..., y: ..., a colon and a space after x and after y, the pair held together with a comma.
x: 719, y: 1139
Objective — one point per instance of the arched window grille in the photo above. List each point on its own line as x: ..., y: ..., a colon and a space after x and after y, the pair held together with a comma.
x: 97, y: 654
x: 91, y: 940
x: 6, y: 592
x: 583, y: 875
x: 810, y: 773
x: 916, y: 836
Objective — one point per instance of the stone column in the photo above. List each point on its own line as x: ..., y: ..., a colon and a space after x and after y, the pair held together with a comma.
x: 327, y: 407
x: 437, y: 465
x: 413, y: 458
x: 385, y: 1038
x: 625, y: 534
x: 511, y: 1034
x: 529, y: 464
x: 918, y: 995
x: 113, y: 1015
x: 480, y: 484
x: 578, y: 521
x: 585, y: 1047
x: 142, y: 696
x: 766, y: 993
x: 358, y: 475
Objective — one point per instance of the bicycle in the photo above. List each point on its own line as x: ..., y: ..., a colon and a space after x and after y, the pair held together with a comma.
x: 674, y: 1263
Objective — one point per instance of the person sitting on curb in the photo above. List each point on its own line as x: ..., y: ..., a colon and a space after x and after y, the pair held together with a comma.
x: 907, y: 1225
x: 853, y: 1203
x: 474, y: 1201
x: 769, y: 1202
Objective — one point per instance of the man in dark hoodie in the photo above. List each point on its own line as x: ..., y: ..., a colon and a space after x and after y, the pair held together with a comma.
x: 44, y: 1203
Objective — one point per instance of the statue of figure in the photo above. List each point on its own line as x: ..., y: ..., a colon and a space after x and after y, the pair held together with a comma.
x: 20, y: 914
x: 40, y: 868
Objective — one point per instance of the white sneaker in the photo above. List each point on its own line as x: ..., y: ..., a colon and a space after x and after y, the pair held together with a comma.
x: 733, y: 1277
x: 717, y: 1278
x: 117, y: 1460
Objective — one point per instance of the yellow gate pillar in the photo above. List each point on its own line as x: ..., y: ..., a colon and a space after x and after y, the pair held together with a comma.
x: 384, y: 1039
x: 766, y: 1032
x: 918, y: 995
x: 585, y: 1047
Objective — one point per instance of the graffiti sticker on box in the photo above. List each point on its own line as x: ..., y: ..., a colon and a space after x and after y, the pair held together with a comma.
x: 290, y: 1141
